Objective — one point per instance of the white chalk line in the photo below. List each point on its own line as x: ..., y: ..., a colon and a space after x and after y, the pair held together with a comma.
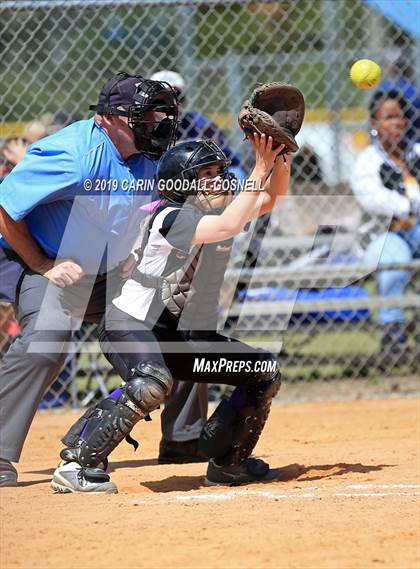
x: 376, y: 494
x: 363, y: 486
x: 311, y: 493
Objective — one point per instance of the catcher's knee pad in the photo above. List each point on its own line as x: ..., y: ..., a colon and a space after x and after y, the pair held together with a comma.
x: 233, y: 430
x: 95, y: 435
x: 266, y: 368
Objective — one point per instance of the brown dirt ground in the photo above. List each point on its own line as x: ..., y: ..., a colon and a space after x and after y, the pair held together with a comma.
x: 348, y: 498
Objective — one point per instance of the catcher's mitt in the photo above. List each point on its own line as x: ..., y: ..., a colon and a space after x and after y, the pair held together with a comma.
x: 277, y: 110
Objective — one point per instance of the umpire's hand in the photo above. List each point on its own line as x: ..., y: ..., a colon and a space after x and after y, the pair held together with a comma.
x: 64, y: 273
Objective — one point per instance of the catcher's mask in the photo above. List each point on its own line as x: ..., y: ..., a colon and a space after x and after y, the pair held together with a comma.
x: 140, y: 96
x: 178, y: 174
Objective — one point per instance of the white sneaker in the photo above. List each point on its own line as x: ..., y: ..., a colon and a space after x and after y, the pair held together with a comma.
x: 71, y: 477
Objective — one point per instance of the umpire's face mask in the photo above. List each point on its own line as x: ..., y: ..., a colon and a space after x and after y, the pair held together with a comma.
x: 154, y: 132
x: 154, y: 118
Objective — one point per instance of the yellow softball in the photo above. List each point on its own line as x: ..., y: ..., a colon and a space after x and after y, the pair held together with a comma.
x: 365, y: 73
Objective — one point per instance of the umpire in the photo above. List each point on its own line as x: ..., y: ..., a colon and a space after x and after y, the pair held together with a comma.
x: 69, y: 217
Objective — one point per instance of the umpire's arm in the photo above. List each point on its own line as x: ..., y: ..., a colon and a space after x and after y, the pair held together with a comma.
x: 62, y: 272
x: 17, y: 235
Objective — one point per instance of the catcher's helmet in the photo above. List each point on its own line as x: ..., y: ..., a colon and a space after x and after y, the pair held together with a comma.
x: 182, y: 164
x: 138, y: 96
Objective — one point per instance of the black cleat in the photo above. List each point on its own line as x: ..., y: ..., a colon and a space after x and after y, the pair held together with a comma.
x: 180, y: 452
x: 8, y: 473
x: 252, y: 470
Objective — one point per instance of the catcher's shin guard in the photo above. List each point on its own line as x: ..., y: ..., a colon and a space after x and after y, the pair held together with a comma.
x: 95, y: 435
x: 232, y: 432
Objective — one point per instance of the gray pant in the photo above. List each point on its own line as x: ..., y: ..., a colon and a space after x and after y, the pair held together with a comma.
x: 47, y: 315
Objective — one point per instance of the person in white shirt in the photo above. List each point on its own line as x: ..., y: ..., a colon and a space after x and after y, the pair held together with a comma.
x: 386, y: 185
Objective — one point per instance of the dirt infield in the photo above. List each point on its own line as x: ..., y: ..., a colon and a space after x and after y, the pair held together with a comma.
x: 348, y: 498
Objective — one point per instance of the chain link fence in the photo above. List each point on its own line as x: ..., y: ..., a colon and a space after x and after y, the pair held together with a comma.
x: 299, y: 282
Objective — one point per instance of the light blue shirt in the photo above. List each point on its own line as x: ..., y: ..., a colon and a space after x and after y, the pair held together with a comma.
x: 79, y: 198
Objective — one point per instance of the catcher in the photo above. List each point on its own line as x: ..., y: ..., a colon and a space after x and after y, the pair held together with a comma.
x: 162, y: 324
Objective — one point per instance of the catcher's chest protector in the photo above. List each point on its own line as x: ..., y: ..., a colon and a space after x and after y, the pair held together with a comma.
x: 201, y: 310
x: 176, y: 286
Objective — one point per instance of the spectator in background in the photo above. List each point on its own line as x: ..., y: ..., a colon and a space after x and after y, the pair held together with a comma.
x: 399, y: 77
x: 14, y: 148
x: 13, y: 151
x: 386, y: 184
x: 306, y: 166
x: 35, y: 130
x: 5, y: 167
x: 61, y: 119
x: 193, y: 125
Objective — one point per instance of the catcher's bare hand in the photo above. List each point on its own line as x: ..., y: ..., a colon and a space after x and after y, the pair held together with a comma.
x: 127, y: 266
x: 265, y: 156
x: 64, y: 273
